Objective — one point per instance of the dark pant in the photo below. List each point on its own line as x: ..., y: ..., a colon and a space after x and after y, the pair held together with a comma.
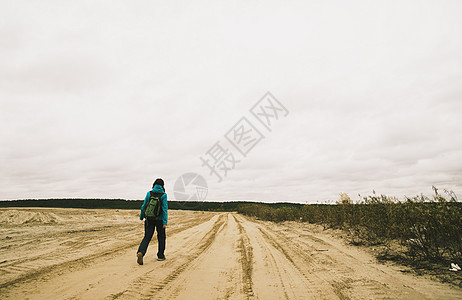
x: 149, y: 227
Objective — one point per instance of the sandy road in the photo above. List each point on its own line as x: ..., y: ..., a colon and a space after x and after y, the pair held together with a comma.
x: 90, y: 254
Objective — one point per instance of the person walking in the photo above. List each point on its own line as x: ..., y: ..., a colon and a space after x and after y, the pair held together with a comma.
x: 159, y: 223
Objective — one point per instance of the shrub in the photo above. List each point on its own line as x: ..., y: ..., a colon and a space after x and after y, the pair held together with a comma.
x: 430, y: 228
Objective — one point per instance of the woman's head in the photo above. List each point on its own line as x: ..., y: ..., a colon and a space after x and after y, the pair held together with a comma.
x: 159, y: 181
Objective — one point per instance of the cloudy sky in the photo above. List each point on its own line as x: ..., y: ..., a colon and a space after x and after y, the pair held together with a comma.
x: 98, y: 98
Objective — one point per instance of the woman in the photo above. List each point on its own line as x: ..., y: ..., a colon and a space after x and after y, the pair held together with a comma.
x: 159, y: 223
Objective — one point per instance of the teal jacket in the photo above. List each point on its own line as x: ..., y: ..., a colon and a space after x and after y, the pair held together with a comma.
x: 164, y: 215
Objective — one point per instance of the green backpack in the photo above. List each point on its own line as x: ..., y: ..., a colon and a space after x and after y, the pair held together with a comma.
x: 154, y: 207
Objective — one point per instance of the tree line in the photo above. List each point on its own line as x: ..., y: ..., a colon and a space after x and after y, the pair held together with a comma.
x: 129, y: 204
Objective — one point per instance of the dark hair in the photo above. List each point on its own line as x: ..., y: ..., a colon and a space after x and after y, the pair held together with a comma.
x: 159, y: 181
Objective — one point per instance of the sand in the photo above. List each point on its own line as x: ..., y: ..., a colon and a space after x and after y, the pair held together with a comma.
x: 91, y: 254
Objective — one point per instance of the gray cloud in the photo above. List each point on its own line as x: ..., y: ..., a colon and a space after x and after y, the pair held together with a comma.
x: 99, y: 99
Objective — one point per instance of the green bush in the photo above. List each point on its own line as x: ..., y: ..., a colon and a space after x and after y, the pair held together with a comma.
x: 430, y: 228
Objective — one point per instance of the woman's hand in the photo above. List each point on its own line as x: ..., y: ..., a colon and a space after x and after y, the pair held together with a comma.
x: 165, y: 226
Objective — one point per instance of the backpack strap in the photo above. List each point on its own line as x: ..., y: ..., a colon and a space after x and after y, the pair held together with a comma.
x: 152, y: 193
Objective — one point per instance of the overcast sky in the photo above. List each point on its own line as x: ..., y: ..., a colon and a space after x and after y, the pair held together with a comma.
x: 99, y: 98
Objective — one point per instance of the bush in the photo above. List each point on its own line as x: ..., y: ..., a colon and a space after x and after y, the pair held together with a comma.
x: 430, y: 228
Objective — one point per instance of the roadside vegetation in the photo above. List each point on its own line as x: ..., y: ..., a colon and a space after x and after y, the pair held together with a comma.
x: 420, y: 230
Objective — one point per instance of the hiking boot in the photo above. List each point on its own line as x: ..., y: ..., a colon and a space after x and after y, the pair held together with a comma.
x: 161, y: 258
x: 140, y: 258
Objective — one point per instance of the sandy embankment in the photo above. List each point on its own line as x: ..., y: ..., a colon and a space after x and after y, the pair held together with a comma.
x: 90, y: 254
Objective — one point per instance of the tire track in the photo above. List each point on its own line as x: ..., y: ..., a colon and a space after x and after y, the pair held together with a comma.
x: 75, y: 264
x: 341, y: 272
x: 339, y: 276
x: 276, y: 275
x: 49, y: 251
x: 320, y: 284
x: 268, y: 268
x: 217, y: 273
x: 318, y: 263
x: 246, y: 251
x: 203, y: 245
x: 173, y: 267
x: 39, y: 265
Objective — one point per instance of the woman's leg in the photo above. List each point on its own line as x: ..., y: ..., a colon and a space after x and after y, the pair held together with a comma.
x: 148, y: 232
x: 160, y: 238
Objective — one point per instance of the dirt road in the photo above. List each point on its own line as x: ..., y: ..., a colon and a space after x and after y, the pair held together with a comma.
x: 91, y: 254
